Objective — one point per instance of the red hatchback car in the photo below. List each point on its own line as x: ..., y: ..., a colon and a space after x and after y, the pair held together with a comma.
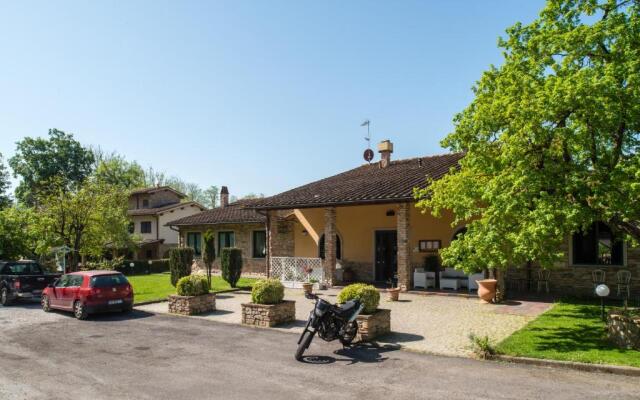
x: 88, y: 292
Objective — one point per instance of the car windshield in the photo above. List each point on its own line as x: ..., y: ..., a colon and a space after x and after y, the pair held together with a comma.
x: 108, y: 280
x: 23, y: 269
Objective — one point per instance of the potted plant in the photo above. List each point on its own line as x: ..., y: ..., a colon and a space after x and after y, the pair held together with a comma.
x: 373, y: 321
x: 268, y: 307
x: 307, y: 286
x: 487, y: 289
x: 393, y: 291
x: 192, y: 296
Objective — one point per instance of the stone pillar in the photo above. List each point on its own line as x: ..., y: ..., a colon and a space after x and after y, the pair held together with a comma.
x: 329, y: 262
x: 404, y: 247
x: 272, y: 237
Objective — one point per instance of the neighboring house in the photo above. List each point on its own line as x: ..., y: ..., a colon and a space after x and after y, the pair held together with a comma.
x: 234, y: 225
x: 365, y: 220
x: 149, y: 210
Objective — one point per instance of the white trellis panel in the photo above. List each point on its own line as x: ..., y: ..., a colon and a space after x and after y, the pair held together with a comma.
x: 293, y: 271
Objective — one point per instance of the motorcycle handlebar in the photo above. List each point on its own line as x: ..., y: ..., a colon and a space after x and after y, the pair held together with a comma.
x: 311, y: 296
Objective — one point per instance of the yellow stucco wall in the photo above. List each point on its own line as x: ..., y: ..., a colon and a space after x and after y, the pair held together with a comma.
x: 356, y: 227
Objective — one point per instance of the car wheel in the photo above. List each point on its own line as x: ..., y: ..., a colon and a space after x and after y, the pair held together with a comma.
x: 46, y: 307
x: 4, y: 297
x: 79, y: 311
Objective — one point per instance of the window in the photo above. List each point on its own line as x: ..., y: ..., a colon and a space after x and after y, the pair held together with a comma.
x: 145, y: 227
x: 149, y: 253
x: 259, y: 244
x: 597, y: 246
x: 145, y: 203
x: 338, y: 248
x: 75, y: 280
x: 226, y: 239
x: 194, y: 240
x: 23, y: 269
x: 102, y: 281
x: 131, y: 227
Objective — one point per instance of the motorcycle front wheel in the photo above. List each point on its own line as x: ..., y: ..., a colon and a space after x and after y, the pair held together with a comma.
x: 350, y: 332
x: 305, y: 341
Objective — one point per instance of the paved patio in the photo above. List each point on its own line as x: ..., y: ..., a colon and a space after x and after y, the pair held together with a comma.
x: 432, y: 324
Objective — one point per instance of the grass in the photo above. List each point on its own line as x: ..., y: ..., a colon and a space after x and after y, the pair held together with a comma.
x: 570, y: 331
x: 158, y: 286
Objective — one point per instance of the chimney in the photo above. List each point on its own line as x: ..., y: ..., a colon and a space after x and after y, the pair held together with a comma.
x: 224, y: 197
x: 385, y: 148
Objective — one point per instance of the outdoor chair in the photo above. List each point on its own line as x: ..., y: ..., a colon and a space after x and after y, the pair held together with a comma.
x: 543, y: 279
x: 598, y: 276
x: 623, y: 278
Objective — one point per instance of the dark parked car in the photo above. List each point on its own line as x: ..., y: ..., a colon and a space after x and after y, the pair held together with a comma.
x: 22, y: 280
x: 89, y: 292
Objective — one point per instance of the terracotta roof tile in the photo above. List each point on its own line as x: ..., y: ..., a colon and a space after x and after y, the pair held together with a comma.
x: 234, y: 213
x: 157, y: 210
x: 365, y: 184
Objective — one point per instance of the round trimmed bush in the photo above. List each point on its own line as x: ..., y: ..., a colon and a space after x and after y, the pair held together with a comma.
x: 267, y: 291
x: 192, y: 285
x: 367, y: 294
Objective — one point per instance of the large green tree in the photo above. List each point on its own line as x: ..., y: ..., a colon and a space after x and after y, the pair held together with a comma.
x: 5, y: 201
x: 17, y: 236
x: 550, y: 140
x: 37, y: 160
x: 114, y: 169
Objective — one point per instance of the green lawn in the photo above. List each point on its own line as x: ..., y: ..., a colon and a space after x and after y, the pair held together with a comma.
x: 570, y: 331
x: 158, y: 286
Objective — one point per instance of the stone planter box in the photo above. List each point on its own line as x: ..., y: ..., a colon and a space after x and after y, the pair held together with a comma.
x: 373, y: 325
x: 267, y: 315
x: 624, y: 331
x: 191, y: 305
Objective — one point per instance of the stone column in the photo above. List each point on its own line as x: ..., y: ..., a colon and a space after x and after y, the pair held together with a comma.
x: 404, y: 247
x: 329, y: 262
x: 272, y: 236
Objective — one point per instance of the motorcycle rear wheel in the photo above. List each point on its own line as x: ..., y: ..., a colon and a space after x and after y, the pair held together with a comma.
x: 350, y: 333
x: 307, y: 337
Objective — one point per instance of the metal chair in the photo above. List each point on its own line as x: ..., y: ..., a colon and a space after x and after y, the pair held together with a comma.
x: 598, y: 276
x: 543, y: 279
x: 623, y: 278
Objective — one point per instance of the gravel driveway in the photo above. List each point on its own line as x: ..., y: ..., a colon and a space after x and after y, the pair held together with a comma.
x: 432, y: 324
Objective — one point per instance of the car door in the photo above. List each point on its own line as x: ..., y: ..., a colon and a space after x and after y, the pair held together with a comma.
x: 70, y: 291
x: 57, y: 292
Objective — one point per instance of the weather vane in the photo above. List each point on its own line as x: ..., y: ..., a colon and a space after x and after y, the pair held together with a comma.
x: 368, y: 153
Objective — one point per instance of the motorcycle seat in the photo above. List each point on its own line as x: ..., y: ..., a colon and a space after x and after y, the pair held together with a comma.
x: 348, y: 307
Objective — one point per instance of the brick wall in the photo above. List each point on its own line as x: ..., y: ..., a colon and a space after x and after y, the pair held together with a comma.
x: 573, y: 280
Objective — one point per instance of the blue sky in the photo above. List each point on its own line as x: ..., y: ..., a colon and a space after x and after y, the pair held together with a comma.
x: 261, y: 96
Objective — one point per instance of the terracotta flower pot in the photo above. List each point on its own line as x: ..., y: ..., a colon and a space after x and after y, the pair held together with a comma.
x: 394, y: 293
x: 487, y: 289
x: 307, y: 287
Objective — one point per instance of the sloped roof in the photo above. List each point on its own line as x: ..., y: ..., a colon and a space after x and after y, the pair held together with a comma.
x: 234, y: 213
x: 158, y: 210
x: 155, y: 189
x: 367, y: 184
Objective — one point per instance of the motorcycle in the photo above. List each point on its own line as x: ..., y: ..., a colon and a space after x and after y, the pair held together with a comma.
x: 330, y: 322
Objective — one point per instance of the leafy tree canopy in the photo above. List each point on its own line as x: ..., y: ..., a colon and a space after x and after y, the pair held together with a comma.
x: 114, y: 169
x: 5, y: 201
x: 551, y: 138
x: 38, y: 160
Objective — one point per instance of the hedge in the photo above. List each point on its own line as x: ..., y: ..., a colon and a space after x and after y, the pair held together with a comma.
x: 143, y: 267
x: 231, y: 265
x: 192, y: 285
x: 267, y: 291
x: 180, y: 259
x: 367, y: 294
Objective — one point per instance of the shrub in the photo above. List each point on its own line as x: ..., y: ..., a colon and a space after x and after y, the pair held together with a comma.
x: 192, y: 285
x: 180, y: 259
x: 267, y: 291
x: 231, y: 265
x: 481, y: 346
x: 209, y: 252
x: 367, y: 294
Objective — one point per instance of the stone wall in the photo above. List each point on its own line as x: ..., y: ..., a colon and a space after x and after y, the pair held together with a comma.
x: 192, y: 305
x: 568, y: 279
x: 373, y: 325
x: 624, y: 331
x: 268, y: 315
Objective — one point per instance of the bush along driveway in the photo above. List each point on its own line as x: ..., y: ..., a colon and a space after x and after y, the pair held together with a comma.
x: 156, y: 287
x: 570, y: 331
